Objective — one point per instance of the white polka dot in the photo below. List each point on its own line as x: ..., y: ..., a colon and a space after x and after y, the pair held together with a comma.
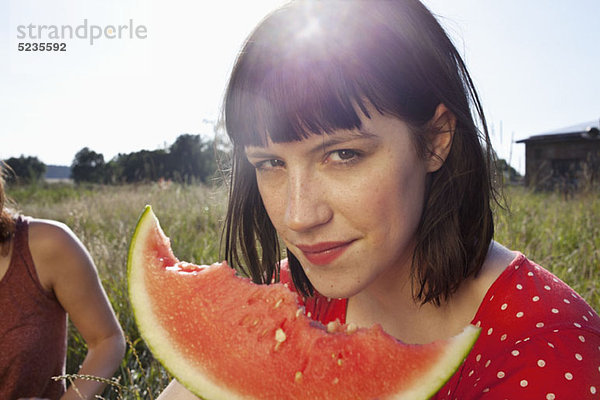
x: 550, y: 396
x: 547, y: 287
x: 520, y: 314
x: 492, y: 298
x: 585, y: 318
x: 478, y: 324
x: 568, y: 376
x: 504, y: 306
x: 566, y: 301
x: 536, y: 298
x: 539, y: 325
x: 471, y: 373
x: 500, y: 374
x: 515, y: 352
x: 519, y: 286
x: 489, y: 332
x: 581, y: 338
x: 516, y: 266
x: 593, y: 389
x: 577, y: 325
x: 524, y: 383
x: 503, y: 337
x: 478, y: 358
x: 555, y: 280
x: 487, y: 363
x: 578, y: 356
x: 530, y: 273
x: 308, y: 314
x: 488, y: 389
x: 555, y: 311
x: 541, y: 363
x: 550, y: 344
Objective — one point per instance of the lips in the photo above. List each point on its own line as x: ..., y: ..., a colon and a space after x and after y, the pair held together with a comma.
x: 325, y: 252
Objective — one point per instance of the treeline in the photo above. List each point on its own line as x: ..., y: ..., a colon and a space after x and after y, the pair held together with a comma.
x: 189, y: 159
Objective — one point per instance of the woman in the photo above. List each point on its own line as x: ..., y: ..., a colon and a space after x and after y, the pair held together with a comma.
x: 45, y: 275
x: 356, y: 144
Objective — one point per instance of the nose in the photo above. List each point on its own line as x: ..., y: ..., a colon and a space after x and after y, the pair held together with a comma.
x: 307, y: 205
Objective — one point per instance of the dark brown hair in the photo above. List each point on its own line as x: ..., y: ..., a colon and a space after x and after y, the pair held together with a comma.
x: 310, y: 68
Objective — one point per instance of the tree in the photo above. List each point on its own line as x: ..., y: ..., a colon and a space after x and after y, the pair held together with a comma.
x: 26, y: 169
x: 192, y: 159
x: 140, y: 166
x: 88, y: 166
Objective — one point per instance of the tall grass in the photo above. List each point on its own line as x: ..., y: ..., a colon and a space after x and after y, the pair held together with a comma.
x: 562, y: 235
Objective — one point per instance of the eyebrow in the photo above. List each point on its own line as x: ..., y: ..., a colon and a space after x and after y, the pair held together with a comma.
x: 328, y: 141
x: 333, y: 140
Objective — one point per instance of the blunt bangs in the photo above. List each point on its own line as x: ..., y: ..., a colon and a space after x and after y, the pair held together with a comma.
x: 301, y: 76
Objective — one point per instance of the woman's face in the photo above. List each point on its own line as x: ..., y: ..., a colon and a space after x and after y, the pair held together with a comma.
x: 346, y: 204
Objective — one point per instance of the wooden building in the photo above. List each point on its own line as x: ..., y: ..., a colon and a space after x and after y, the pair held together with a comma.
x: 566, y: 159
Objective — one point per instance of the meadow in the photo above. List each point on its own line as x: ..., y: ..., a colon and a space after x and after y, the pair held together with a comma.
x: 561, y: 234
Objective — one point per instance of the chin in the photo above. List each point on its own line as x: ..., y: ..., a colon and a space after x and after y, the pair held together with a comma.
x: 334, y: 292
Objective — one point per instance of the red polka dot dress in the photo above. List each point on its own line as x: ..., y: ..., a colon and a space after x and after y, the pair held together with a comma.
x: 539, y: 339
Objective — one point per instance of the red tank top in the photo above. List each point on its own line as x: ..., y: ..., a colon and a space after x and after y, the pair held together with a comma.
x: 33, y: 328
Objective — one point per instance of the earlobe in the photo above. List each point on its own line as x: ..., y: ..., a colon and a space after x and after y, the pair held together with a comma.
x: 442, y: 127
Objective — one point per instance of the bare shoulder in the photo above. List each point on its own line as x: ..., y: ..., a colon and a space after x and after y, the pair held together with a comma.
x: 55, y: 249
x: 50, y: 240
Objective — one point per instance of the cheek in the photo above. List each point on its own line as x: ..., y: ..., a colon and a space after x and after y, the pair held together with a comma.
x: 390, y: 202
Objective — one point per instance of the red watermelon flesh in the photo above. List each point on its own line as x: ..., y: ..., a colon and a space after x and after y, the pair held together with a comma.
x: 224, y: 337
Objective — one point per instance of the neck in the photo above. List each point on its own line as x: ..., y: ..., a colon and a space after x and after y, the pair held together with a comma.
x: 390, y: 302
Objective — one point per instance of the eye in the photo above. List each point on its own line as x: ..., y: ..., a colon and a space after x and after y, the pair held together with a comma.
x: 343, y: 155
x: 266, y: 165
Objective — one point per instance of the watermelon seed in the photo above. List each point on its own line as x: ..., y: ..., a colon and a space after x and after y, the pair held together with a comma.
x: 333, y: 326
x: 298, y: 377
x: 298, y: 312
x: 351, y: 327
x: 278, y: 303
x: 335, y: 381
x: 280, y: 335
x: 340, y: 362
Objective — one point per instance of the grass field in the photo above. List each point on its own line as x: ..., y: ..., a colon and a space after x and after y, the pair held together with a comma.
x: 562, y: 235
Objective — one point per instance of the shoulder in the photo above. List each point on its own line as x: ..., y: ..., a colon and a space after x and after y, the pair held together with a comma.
x: 50, y: 239
x: 526, y: 294
x: 55, y: 249
x: 538, y: 338
x: 559, y: 364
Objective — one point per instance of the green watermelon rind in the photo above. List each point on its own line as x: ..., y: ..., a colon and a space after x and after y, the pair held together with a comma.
x: 152, y: 332
x: 172, y: 359
x: 457, y: 349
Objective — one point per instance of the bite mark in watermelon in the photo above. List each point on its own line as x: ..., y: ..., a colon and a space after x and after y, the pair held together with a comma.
x: 224, y: 337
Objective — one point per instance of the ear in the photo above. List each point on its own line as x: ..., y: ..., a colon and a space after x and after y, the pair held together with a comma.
x: 442, y: 127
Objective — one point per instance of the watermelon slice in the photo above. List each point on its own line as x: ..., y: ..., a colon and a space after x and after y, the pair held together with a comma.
x: 224, y: 337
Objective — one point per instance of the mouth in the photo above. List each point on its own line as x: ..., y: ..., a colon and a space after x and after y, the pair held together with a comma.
x: 325, y: 252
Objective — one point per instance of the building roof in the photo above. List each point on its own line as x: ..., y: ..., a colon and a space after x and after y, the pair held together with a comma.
x: 584, y: 130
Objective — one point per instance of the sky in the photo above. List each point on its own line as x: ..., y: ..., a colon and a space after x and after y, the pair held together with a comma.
x: 158, y: 69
